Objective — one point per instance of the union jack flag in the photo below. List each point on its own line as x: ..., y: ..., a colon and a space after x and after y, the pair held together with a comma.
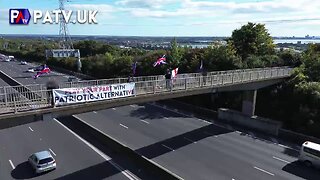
x: 161, y: 60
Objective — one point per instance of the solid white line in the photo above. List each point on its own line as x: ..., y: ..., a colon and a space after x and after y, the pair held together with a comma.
x: 284, y: 146
x: 104, y: 156
x: 52, y: 152
x: 145, y: 121
x: 263, y: 171
x: 189, y: 140
x: 280, y: 159
x: 31, y: 129
x: 167, y: 147
x: 124, y: 126
x: 11, y: 164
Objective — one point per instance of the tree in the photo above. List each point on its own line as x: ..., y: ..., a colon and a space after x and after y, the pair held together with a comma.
x: 218, y: 57
x: 176, y: 53
x: 252, y: 39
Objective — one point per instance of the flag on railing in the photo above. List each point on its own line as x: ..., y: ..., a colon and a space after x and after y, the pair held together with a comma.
x: 161, y: 60
x: 134, y: 67
x: 174, y: 73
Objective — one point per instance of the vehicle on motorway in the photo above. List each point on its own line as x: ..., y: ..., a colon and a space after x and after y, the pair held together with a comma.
x: 23, y: 62
x: 30, y: 70
x: 310, y: 154
x: 73, y: 79
x: 42, y: 161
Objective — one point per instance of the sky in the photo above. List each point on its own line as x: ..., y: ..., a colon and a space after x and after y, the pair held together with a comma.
x: 174, y: 17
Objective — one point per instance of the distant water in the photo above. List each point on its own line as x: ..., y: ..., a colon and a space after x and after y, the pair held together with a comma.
x: 276, y: 41
x: 295, y: 41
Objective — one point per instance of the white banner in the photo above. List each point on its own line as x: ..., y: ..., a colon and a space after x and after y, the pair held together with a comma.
x: 67, y: 96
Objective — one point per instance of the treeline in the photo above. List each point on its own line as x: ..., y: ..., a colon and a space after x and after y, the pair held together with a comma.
x: 295, y: 102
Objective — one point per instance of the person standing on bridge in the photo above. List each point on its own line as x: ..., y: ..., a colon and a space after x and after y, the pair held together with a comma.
x: 168, y: 79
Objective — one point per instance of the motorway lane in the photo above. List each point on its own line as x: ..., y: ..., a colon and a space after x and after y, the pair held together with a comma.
x: 75, y: 160
x: 3, y: 83
x: 115, y: 121
x: 17, y: 71
x: 201, y: 151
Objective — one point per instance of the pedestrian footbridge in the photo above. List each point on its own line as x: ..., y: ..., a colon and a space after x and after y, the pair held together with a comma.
x: 37, y: 100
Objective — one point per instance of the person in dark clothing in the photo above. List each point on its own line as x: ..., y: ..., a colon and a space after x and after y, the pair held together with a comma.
x: 168, y: 79
x: 204, y: 76
x: 50, y: 86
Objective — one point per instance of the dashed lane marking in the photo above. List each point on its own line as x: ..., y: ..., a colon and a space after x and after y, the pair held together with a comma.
x: 11, y: 164
x: 262, y: 170
x: 189, y: 140
x: 279, y: 159
x: 31, y: 129
x: 52, y: 152
x: 167, y: 147
x: 145, y: 121
x: 124, y: 126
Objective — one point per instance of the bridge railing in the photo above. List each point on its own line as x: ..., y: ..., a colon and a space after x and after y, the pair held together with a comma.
x: 22, y: 98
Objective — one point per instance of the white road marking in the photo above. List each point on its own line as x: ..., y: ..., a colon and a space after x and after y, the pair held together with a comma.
x: 95, y: 112
x: 127, y: 173
x: 113, y: 108
x: 124, y: 126
x: 145, y: 121
x: 279, y: 159
x: 11, y: 164
x: 284, y: 146
x: 262, y: 170
x: 31, y: 129
x: 189, y: 140
x: 52, y: 152
x: 167, y: 147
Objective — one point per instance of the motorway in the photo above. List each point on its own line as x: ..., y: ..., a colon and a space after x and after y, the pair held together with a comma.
x: 75, y: 159
x: 195, y: 149
x: 18, y: 72
x: 187, y: 146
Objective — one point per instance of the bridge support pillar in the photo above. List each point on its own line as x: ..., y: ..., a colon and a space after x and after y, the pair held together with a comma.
x: 249, y: 102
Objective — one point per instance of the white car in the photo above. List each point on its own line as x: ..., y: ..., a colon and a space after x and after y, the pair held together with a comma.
x: 30, y: 70
x: 42, y: 162
x: 23, y: 62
